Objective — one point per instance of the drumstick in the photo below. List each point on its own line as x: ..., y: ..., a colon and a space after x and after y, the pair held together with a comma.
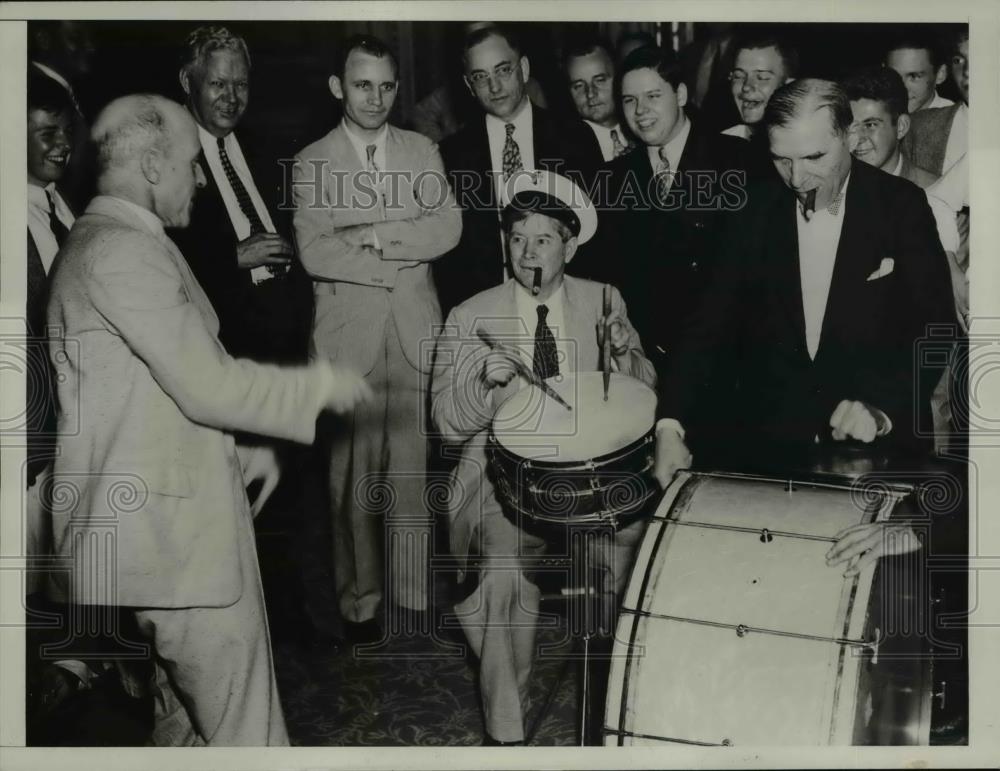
x: 536, y: 284
x: 523, y: 369
x: 606, y: 346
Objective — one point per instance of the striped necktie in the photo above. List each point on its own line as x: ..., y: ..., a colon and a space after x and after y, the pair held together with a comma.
x: 56, y: 225
x: 545, y: 360
x: 242, y: 196
x: 664, y: 176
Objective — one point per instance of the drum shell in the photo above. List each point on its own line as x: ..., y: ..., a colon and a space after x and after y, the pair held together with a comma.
x: 684, y: 671
x: 606, y: 490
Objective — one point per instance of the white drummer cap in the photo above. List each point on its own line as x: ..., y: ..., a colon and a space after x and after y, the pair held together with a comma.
x: 554, y: 195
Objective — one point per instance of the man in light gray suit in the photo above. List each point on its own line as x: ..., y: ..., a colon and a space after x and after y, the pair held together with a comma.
x: 373, y: 209
x: 149, y: 500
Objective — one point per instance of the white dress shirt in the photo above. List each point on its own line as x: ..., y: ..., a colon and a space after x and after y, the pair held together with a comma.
x: 741, y: 130
x: 496, y: 132
x: 38, y: 221
x: 958, y: 139
x: 937, y: 101
x: 674, y: 148
x: 944, y: 218
x: 527, y: 311
x: 241, y: 225
x: 604, y: 138
x: 819, y: 238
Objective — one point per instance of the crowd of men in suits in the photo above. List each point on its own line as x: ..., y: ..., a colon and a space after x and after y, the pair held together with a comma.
x: 776, y: 273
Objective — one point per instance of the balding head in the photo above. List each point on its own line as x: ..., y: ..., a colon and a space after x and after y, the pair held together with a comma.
x: 147, y: 150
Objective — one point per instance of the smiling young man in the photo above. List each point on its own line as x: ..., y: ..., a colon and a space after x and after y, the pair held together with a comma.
x: 508, y: 135
x: 373, y: 210
x: 763, y: 63
x: 664, y: 202
x: 554, y: 332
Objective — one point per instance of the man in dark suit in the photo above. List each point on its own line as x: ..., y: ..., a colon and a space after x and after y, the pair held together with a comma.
x: 663, y: 203
x: 828, y: 282
x: 235, y: 244
x: 512, y: 135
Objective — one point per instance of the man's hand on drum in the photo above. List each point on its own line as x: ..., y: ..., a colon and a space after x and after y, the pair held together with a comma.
x: 860, y: 545
x: 499, y: 367
x: 672, y: 453
x: 619, y: 334
x: 857, y: 420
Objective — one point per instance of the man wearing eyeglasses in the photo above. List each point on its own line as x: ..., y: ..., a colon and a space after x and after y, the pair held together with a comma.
x: 512, y: 135
x: 764, y: 62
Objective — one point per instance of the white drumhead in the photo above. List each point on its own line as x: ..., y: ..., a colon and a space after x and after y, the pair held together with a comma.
x: 533, y: 425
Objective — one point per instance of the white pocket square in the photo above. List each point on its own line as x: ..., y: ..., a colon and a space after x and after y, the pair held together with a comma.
x: 884, y: 269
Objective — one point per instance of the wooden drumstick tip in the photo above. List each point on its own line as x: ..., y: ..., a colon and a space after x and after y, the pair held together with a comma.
x: 536, y: 283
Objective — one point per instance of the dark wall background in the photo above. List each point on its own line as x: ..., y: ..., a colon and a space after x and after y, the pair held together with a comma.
x: 290, y: 101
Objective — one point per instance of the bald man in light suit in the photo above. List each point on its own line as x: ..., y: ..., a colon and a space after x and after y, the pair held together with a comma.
x: 155, y: 515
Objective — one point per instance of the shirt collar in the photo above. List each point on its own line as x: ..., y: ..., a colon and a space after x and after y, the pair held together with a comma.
x: 522, y: 121
x: 674, y: 148
x: 210, y: 141
x: 361, y: 145
x: 527, y: 303
x: 39, y: 195
x: 899, y: 166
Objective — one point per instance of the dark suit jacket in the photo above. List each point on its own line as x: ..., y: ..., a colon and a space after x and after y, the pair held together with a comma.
x: 564, y: 146
x: 659, y: 255
x: 269, y: 321
x: 40, y: 392
x: 753, y: 315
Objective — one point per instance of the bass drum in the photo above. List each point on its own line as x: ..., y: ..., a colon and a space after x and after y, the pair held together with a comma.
x: 734, y: 631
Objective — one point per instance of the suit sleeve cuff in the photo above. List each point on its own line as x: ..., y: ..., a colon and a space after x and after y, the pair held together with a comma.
x: 664, y: 424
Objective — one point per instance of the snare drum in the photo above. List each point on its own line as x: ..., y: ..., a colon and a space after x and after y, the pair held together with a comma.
x: 591, y: 465
x: 734, y: 631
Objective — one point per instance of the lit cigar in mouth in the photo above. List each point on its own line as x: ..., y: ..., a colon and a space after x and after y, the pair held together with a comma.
x: 536, y: 284
x: 808, y: 201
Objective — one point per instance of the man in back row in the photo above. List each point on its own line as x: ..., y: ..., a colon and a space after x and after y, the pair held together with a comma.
x: 159, y: 521
x: 511, y: 134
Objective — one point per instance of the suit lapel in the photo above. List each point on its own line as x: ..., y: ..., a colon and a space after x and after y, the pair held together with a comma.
x: 784, y: 255
x: 850, y: 268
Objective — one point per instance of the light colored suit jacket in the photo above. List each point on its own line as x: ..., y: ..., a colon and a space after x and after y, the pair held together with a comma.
x: 149, y: 491
x: 416, y: 221
x: 463, y: 406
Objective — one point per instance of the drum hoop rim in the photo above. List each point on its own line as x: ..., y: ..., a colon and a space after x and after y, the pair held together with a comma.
x: 572, y: 465
x: 588, y: 519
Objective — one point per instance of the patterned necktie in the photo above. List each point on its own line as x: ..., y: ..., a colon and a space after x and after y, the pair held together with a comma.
x: 546, y: 363
x: 242, y: 196
x: 618, y: 147
x: 59, y: 230
x: 664, y: 177
x: 511, y: 154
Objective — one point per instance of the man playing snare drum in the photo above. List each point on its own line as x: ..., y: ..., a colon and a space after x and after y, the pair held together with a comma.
x: 557, y: 330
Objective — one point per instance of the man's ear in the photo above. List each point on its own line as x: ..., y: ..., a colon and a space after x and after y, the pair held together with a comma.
x: 570, y: 249
x: 942, y: 73
x: 336, y: 87
x: 184, y: 76
x: 525, y: 68
x: 150, y: 163
x: 902, y: 127
x: 682, y: 94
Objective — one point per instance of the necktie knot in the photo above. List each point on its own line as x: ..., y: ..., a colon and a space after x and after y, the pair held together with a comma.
x: 370, y: 150
x: 220, y: 142
x: 664, y: 161
x: 543, y: 312
x: 509, y: 128
x: 618, y: 148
